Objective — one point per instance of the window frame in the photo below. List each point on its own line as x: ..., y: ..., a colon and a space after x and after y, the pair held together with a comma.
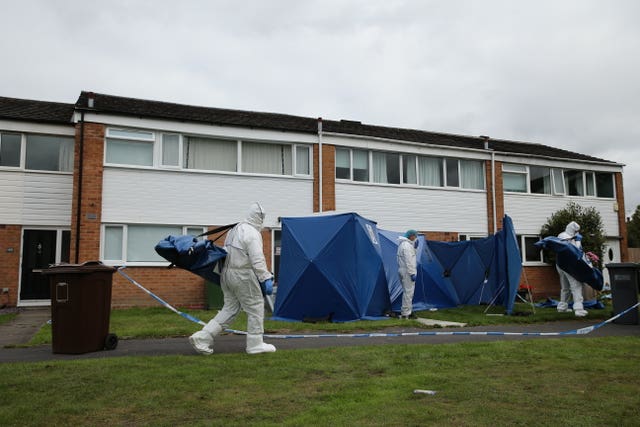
x: 125, y: 240
x: 151, y: 139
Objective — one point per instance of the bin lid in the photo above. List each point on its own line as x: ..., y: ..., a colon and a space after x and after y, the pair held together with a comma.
x: 84, y: 268
x: 623, y: 265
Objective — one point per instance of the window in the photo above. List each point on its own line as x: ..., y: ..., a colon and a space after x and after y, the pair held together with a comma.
x: 430, y: 169
x: 452, y: 172
x: 49, y: 153
x: 528, y: 251
x: 273, y: 159
x: 604, y: 185
x: 409, y: 175
x: 540, y: 180
x: 136, y: 243
x: 471, y: 174
x: 303, y: 160
x: 514, y: 178
x: 590, y: 182
x: 386, y: 168
x: 129, y: 147
x: 558, y: 181
x: 343, y: 163
x: 10, y: 149
x: 574, y: 182
x: 210, y: 154
x: 170, y: 150
x: 360, y: 165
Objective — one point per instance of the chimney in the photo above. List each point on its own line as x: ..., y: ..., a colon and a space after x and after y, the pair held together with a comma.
x: 91, y: 99
x: 486, y: 141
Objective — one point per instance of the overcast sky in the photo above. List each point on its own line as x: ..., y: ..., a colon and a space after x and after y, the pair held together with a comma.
x: 560, y: 73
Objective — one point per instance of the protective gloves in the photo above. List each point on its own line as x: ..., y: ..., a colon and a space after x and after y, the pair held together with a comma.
x: 413, y: 277
x: 267, y: 287
x: 578, y: 237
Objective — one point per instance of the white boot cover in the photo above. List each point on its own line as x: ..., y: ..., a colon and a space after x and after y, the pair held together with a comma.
x: 255, y: 345
x: 202, y: 342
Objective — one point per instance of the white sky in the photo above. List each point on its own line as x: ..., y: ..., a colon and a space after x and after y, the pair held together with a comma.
x: 556, y: 72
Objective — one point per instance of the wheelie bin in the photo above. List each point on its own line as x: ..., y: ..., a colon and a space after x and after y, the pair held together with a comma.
x: 624, y: 290
x: 81, y: 307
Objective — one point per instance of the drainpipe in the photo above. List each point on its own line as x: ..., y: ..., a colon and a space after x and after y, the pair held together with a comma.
x: 319, y: 164
x: 493, y: 181
x: 90, y: 103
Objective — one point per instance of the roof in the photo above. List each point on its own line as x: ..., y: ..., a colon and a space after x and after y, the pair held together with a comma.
x: 20, y: 109
x: 35, y: 111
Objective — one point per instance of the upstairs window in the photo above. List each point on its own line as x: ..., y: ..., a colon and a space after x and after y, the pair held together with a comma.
x: 272, y: 159
x: 303, y: 160
x: 49, y: 153
x: 360, y: 165
x: 129, y: 147
x: 409, y: 169
x: 514, y: 178
x: 10, y: 145
x: 540, y: 180
x: 431, y: 171
x: 574, y: 182
x: 471, y: 174
x: 604, y: 185
x: 386, y: 167
x: 210, y: 154
x: 343, y: 163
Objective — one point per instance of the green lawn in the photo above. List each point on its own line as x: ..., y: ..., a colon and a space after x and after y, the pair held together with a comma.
x: 158, y: 322
x: 545, y: 381
x: 555, y: 381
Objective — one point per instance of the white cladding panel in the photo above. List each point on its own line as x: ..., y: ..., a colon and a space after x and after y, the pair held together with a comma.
x: 30, y: 198
x: 184, y: 198
x: 530, y: 212
x: 397, y: 208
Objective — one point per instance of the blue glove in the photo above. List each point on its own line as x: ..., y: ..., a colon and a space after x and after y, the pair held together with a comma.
x: 578, y: 237
x: 413, y: 277
x: 267, y: 287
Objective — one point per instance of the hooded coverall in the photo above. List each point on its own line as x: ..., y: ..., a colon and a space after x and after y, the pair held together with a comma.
x: 569, y: 286
x: 244, y: 269
x: 406, y: 257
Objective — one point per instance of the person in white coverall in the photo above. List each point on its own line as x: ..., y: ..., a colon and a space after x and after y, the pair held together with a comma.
x: 569, y: 286
x: 243, y: 275
x: 406, y: 256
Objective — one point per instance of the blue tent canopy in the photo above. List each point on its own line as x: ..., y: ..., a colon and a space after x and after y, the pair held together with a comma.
x: 341, y: 267
x: 330, y: 267
x: 453, y: 273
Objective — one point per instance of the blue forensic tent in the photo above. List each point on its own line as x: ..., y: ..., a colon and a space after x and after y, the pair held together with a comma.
x: 331, y: 268
x: 453, y: 273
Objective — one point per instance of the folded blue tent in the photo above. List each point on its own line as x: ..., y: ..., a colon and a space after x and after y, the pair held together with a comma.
x: 454, y: 273
x: 433, y: 289
x: 330, y: 268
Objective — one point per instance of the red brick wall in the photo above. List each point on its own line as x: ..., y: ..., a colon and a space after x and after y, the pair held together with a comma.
x: 544, y: 281
x: 91, y: 204
x: 499, y: 195
x: 328, y: 178
x: 10, y: 238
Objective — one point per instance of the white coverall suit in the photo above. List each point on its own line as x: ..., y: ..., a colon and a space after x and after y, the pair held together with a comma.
x: 244, y: 269
x: 569, y: 286
x: 406, y: 256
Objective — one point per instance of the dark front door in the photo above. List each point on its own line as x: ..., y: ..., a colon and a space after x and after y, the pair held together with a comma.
x: 38, y: 252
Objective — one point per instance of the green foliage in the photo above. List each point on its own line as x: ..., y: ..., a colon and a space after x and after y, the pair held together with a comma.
x: 633, y: 229
x: 591, y: 227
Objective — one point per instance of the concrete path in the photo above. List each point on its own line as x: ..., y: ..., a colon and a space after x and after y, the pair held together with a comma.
x: 29, y: 321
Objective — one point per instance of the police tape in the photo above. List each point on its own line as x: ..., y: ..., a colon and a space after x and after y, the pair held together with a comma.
x: 580, y: 331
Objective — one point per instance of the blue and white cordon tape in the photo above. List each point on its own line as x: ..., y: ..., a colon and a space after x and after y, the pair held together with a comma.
x: 581, y: 331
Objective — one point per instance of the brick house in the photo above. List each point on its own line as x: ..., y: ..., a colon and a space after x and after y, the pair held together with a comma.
x: 107, y: 177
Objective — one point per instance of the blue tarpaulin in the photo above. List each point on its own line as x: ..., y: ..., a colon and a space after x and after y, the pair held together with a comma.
x: 471, y: 272
x: 341, y: 268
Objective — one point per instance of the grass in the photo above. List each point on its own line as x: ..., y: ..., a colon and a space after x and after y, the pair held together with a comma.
x: 556, y: 381
x: 159, y: 322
